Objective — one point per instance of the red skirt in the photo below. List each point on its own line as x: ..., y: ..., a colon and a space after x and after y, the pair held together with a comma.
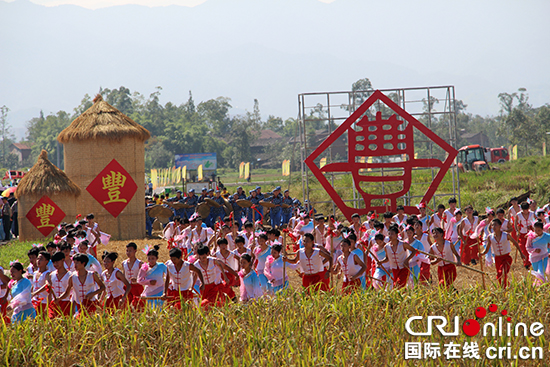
x: 134, y: 297
x: 3, y: 311
x: 61, y: 308
x: 351, y: 286
x: 400, y: 277
x: 425, y: 272
x: 446, y: 274
x: 41, y: 309
x: 503, y: 264
x: 87, y: 306
x: 213, y: 295
x: 113, y: 303
x: 522, y: 241
x: 176, y: 297
x: 314, y: 281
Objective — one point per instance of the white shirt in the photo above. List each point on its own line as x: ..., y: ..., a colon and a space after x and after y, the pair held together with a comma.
x: 181, y: 280
x: 82, y: 289
x: 348, y: 266
x: 310, y: 265
x: 113, y: 285
x: 499, y: 246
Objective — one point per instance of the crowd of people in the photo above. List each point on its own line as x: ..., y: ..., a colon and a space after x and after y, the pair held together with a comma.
x: 281, y: 205
x: 234, y: 260
x: 9, y: 226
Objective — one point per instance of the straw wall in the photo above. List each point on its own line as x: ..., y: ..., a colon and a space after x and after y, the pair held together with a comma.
x: 28, y: 232
x: 84, y: 160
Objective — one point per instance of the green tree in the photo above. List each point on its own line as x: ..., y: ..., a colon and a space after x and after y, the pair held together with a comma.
x: 43, y: 131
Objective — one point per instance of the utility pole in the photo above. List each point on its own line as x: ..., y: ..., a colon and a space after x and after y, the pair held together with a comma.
x: 3, y: 121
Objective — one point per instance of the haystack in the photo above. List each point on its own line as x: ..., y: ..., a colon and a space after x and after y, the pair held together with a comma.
x: 103, y: 133
x: 44, y: 178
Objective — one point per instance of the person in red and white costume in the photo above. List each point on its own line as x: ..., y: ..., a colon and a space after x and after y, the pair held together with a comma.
x: 320, y: 230
x: 58, y: 281
x: 523, y: 222
x: 87, y: 286
x: 131, y: 268
x: 116, y: 284
x: 213, y: 290
x: 449, y: 213
x: 466, y: 231
x: 398, y: 257
x: 4, y: 280
x: 228, y: 258
x: 506, y: 225
x: 499, y: 243
x: 310, y: 258
x: 438, y: 219
x: 426, y: 242
x: 200, y: 233
x: 179, y: 279
x: 352, y: 266
x: 446, y: 272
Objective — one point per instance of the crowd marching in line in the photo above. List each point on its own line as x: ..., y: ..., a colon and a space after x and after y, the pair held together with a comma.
x: 209, y: 257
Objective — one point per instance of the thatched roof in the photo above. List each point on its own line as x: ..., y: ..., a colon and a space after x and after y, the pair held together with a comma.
x: 44, y: 178
x: 103, y: 121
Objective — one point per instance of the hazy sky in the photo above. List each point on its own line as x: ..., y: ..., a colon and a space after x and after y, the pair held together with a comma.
x: 96, y: 4
x: 270, y: 50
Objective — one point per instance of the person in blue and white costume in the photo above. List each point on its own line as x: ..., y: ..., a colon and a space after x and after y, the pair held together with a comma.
x: 20, y: 290
x: 537, y: 247
x: 152, y: 276
x: 382, y: 273
x: 250, y: 288
x: 261, y: 252
x: 416, y: 259
x: 273, y: 270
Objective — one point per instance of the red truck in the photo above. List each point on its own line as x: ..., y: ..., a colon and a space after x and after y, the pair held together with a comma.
x: 497, y: 155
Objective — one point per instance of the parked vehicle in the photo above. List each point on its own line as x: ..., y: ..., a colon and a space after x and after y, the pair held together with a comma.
x: 497, y: 155
x: 13, y: 175
x: 472, y: 158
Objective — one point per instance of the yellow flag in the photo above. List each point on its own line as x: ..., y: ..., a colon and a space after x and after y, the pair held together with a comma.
x: 178, y: 175
x: 515, y: 149
x: 154, y: 178
x: 199, y: 172
x: 544, y: 148
x: 246, y: 170
x: 241, y: 170
x: 184, y: 173
x: 323, y: 162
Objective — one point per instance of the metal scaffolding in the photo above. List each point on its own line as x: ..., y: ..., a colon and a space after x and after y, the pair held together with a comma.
x: 322, y: 112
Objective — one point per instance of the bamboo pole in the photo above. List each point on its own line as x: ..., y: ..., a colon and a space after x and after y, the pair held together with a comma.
x: 452, y: 262
x: 481, y: 262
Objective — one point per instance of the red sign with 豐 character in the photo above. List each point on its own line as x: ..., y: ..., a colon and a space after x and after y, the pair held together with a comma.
x: 113, y: 188
x: 373, y: 143
x: 45, y: 215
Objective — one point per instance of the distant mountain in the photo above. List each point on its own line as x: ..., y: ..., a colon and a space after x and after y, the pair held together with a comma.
x: 271, y: 50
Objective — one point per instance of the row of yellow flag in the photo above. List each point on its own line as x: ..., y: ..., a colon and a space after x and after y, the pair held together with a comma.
x: 244, y: 170
x: 168, y: 176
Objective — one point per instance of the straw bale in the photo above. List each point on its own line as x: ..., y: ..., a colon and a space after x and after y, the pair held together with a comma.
x: 44, y: 178
x: 103, y: 121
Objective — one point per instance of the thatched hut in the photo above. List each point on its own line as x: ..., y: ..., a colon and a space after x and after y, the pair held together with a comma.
x: 44, y: 179
x: 103, y: 133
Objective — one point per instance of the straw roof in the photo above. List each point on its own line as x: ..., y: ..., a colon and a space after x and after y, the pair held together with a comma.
x: 44, y: 178
x: 103, y: 121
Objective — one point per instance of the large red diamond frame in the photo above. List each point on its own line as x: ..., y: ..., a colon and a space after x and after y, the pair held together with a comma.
x: 50, y: 221
x: 95, y: 188
x: 401, y: 143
